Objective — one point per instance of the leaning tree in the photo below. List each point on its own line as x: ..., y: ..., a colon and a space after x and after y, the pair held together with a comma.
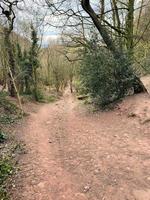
x: 114, y: 20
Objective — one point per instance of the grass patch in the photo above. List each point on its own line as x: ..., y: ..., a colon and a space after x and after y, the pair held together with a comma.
x: 9, y: 114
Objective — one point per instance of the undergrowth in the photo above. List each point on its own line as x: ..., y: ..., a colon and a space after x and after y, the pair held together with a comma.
x: 9, y: 114
x: 6, y: 169
x: 42, y: 98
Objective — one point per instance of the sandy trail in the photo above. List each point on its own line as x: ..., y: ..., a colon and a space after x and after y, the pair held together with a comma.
x: 73, y: 155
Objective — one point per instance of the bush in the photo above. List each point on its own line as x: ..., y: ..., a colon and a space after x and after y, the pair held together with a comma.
x: 102, y: 77
x: 97, y: 76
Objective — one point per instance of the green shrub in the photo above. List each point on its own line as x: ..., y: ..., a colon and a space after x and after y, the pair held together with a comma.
x: 3, y: 137
x: 97, y: 76
x: 102, y: 77
x: 79, y: 86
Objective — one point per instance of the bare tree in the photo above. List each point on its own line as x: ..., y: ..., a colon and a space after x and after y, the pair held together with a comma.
x: 114, y: 20
x: 8, y: 12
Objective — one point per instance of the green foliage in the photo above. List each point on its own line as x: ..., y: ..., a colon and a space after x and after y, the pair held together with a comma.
x: 51, y: 98
x: 3, y: 94
x: 28, y: 63
x: 33, y: 53
x: 79, y: 83
x: 45, y: 98
x: 97, y: 76
x: 39, y: 96
x: 104, y: 78
x: 6, y: 119
x: 10, y: 112
x: 3, y: 194
x: 8, y: 106
x: 34, y: 62
x: 6, y: 169
x: 3, y: 136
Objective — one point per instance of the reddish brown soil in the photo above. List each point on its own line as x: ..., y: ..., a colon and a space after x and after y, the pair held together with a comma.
x: 76, y: 155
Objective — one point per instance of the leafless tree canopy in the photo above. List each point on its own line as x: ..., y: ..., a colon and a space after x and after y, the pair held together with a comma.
x: 115, y: 20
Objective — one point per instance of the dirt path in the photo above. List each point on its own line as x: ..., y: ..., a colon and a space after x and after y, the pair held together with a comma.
x: 73, y: 155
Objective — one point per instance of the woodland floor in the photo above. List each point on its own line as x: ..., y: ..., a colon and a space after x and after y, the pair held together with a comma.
x: 73, y: 154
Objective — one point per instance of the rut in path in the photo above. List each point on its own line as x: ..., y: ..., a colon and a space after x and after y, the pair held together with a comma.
x: 73, y: 155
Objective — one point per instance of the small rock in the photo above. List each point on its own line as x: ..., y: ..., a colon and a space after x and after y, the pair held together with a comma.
x: 41, y: 185
x: 13, y: 155
x: 50, y: 141
x: 86, y: 188
x: 131, y: 114
x: 97, y: 171
x: 128, y: 168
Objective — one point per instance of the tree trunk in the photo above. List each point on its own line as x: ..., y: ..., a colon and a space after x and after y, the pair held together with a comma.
x: 11, y: 62
x: 16, y: 91
x: 71, y: 86
x: 102, y: 30
x: 35, y: 84
x: 129, y: 29
x: 123, y: 61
